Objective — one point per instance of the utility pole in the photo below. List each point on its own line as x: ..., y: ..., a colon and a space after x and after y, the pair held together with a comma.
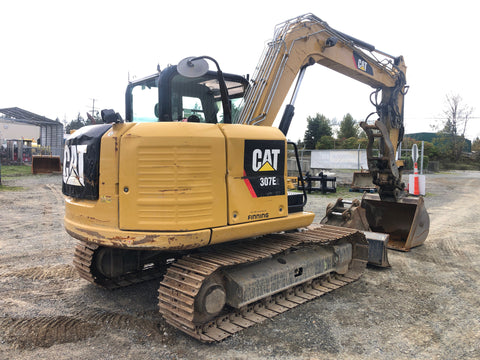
x: 93, y: 107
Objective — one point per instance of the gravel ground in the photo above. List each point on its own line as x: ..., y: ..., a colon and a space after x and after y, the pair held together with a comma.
x: 427, y: 306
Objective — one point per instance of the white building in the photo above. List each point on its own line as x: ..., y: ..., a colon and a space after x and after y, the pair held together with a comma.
x: 19, y: 124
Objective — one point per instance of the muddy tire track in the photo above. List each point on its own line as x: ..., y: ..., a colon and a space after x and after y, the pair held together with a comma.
x: 81, y: 321
x: 60, y: 271
x: 30, y: 333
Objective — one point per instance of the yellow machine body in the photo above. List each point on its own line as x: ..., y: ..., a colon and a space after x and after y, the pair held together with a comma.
x: 175, y: 186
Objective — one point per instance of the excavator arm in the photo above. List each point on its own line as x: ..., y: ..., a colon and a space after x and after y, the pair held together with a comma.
x: 306, y: 40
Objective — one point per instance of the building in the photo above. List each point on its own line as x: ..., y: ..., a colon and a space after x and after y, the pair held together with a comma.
x: 17, y: 124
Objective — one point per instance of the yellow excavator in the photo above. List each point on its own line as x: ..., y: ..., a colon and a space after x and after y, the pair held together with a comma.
x: 191, y: 187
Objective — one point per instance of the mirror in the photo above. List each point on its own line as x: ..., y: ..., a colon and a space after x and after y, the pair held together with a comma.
x: 192, y: 67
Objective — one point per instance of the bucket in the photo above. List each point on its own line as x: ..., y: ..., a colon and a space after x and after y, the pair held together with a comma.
x: 362, y: 180
x: 44, y: 164
x: 406, y: 220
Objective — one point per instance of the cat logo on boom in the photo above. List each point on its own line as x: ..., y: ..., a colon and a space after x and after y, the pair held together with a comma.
x: 362, y: 64
x: 264, y: 167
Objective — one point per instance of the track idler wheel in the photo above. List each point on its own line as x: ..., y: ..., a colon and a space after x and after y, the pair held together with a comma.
x: 210, y: 300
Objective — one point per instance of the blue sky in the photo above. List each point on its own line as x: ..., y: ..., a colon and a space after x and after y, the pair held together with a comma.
x: 57, y: 56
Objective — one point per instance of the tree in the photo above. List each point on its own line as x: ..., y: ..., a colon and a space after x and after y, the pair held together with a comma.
x: 457, y: 115
x: 363, y: 142
x: 325, y: 142
x: 348, y: 128
x: 351, y: 143
x: 430, y: 150
x: 476, y: 144
x: 75, y: 124
x: 317, y: 127
x: 79, y: 122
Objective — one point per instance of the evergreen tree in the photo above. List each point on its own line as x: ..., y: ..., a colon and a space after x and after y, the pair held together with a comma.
x: 348, y: 128
x: 75, y: 124
x: 476, y: 144
x: 317, y: 127
x: 325, y: 142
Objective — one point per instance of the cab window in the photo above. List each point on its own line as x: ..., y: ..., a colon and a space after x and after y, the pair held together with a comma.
x: 144, y: 99
x: 192, y: 109
x: 168, y: 96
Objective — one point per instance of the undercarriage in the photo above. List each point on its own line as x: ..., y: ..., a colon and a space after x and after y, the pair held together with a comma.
x: 217, y: 291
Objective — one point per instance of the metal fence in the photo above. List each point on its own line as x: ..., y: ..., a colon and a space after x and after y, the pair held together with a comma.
x: 23, y: 154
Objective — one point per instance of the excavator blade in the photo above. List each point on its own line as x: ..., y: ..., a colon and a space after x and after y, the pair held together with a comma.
x: 350, y: 214
x: 377, y: 248
x: 406, y: 220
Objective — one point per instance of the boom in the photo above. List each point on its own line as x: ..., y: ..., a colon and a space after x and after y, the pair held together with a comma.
x: 306, y: 40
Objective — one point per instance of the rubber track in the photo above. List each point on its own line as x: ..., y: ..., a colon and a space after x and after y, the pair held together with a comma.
x: 185, y: 277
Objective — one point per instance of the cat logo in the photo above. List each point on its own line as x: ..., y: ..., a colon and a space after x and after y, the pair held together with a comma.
x: 362, y: 64
x: 265, y: 160
x: 73, y: 165
x: 264, y: 167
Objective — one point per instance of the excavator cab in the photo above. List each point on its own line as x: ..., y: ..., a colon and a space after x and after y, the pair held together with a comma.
x: 168, y: 97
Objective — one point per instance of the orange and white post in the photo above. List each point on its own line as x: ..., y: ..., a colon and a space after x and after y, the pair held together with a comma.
x: 416, y: 181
